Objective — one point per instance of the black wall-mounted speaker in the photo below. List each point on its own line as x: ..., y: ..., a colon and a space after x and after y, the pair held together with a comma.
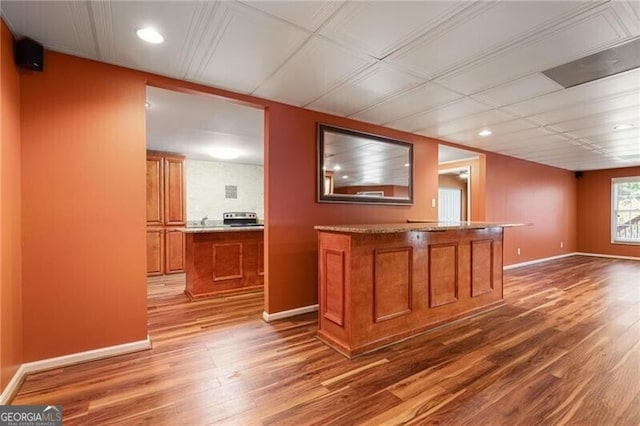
x: 578, y: 175
x: 29, y: 54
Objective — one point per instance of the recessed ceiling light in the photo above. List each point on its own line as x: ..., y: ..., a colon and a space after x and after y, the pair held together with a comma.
x: 337, y: 167
x: 345, y: 177
x: 623, y: 126
x: 147, y: 105
x: 485, y: 132
x: 150, y: 35
x: 225, y: 153
x: 406, y: 164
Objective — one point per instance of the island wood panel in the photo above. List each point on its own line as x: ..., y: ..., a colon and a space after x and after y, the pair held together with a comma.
x: 333, y: 324
x: 334, y: 271
x: 400, y: 284
x: 392, y: 283
x: 174, y: 251
x: 227, y: 261
x: 222, y: 262
x: 443, y: 274
x: 261, y: 258
x: 482, y: 275
x: 155, y: 188
x: 155, y: 251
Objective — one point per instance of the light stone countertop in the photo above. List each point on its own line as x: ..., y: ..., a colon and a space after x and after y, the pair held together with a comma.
x: 414, y: 225
x: 203, y: 229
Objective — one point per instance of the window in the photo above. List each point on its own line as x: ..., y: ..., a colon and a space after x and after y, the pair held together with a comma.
x: 625, y: 210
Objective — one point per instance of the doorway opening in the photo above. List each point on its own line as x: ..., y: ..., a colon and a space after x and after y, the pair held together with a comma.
x: 456, y: 168
x: 205, y: 159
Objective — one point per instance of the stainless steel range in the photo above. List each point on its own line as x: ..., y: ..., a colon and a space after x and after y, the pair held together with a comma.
x: 240, y: 219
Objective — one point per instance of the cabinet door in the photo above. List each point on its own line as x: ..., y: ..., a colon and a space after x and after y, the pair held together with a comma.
x: 155, y: 251
x: 155, y: 189
x: 174, y: 243
x: 174, y: 191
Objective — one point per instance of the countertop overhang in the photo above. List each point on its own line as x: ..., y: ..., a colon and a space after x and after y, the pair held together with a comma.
x: 414, y: 225
x: 202, y: 229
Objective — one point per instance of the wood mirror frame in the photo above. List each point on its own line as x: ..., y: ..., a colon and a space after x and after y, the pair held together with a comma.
x: 356, y: 167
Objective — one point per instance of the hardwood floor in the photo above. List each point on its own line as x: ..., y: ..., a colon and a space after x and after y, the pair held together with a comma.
x: 565, y: 349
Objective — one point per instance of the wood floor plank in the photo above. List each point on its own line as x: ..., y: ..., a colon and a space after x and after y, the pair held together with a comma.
x: 564, y: 349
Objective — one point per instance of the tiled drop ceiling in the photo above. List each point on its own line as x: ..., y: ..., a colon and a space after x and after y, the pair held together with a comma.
x: 443, y: 69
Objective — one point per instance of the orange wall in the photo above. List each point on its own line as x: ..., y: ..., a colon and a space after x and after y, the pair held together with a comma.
x: 83, y: 187
x: 594, y: 213
x: 10, y: 211
x: 522, y: 191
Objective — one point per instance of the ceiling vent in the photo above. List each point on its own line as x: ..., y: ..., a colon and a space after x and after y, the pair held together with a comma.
x: 612, y: 61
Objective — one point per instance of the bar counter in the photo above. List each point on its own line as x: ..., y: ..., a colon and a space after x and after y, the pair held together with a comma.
x: 382, y: 283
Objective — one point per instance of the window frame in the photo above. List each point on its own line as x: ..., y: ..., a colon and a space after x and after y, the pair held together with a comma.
x: 613, y: 210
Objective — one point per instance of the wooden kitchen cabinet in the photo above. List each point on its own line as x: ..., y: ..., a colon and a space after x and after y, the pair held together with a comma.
x: 165, y: 209
x: 155, y: 190
x: 174, y: 190
x: 155, y: 251
x: 174, y: 248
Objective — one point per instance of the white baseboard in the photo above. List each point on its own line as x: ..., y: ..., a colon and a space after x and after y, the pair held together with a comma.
x: 12, y: 387
x: 290, y: 313
x: 64, y: 361
x: 533, y: 262
x: 610, y: 256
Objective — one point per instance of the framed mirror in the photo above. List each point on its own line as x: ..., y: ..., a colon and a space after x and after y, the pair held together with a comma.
x: 355, y: 167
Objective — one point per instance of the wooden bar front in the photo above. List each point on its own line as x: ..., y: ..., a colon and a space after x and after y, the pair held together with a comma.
x: 223, y: 262
x: 378, y: 288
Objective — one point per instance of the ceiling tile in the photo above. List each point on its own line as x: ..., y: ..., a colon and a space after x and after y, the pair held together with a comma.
x: 628, y: 12
x: 483, y: 28
x: 421, y: 98
x: 605, y: 131
x: 537, y: 132
x: 621, y: 116
x: 615, y: 136
x: 547, y: 150
x: 562, y: 45
x: 307, y: 14
x: 527, y: 87
x: 40, y: 21
x: 499, y: 132
x: 527, y: 145
x: 623, y: 150
x: 248, y: 37
x: 370, y: 87
x: 476, y: 123
x: 116, y: 24
x: 589, y: 108
x: 314, y: 70
x: 381, y: 27
x: 608, y: 86
x: 451, y: 111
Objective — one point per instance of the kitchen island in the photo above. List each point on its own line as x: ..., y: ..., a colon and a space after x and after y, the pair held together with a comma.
x: 223, y: 259
x: 379, y: 284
